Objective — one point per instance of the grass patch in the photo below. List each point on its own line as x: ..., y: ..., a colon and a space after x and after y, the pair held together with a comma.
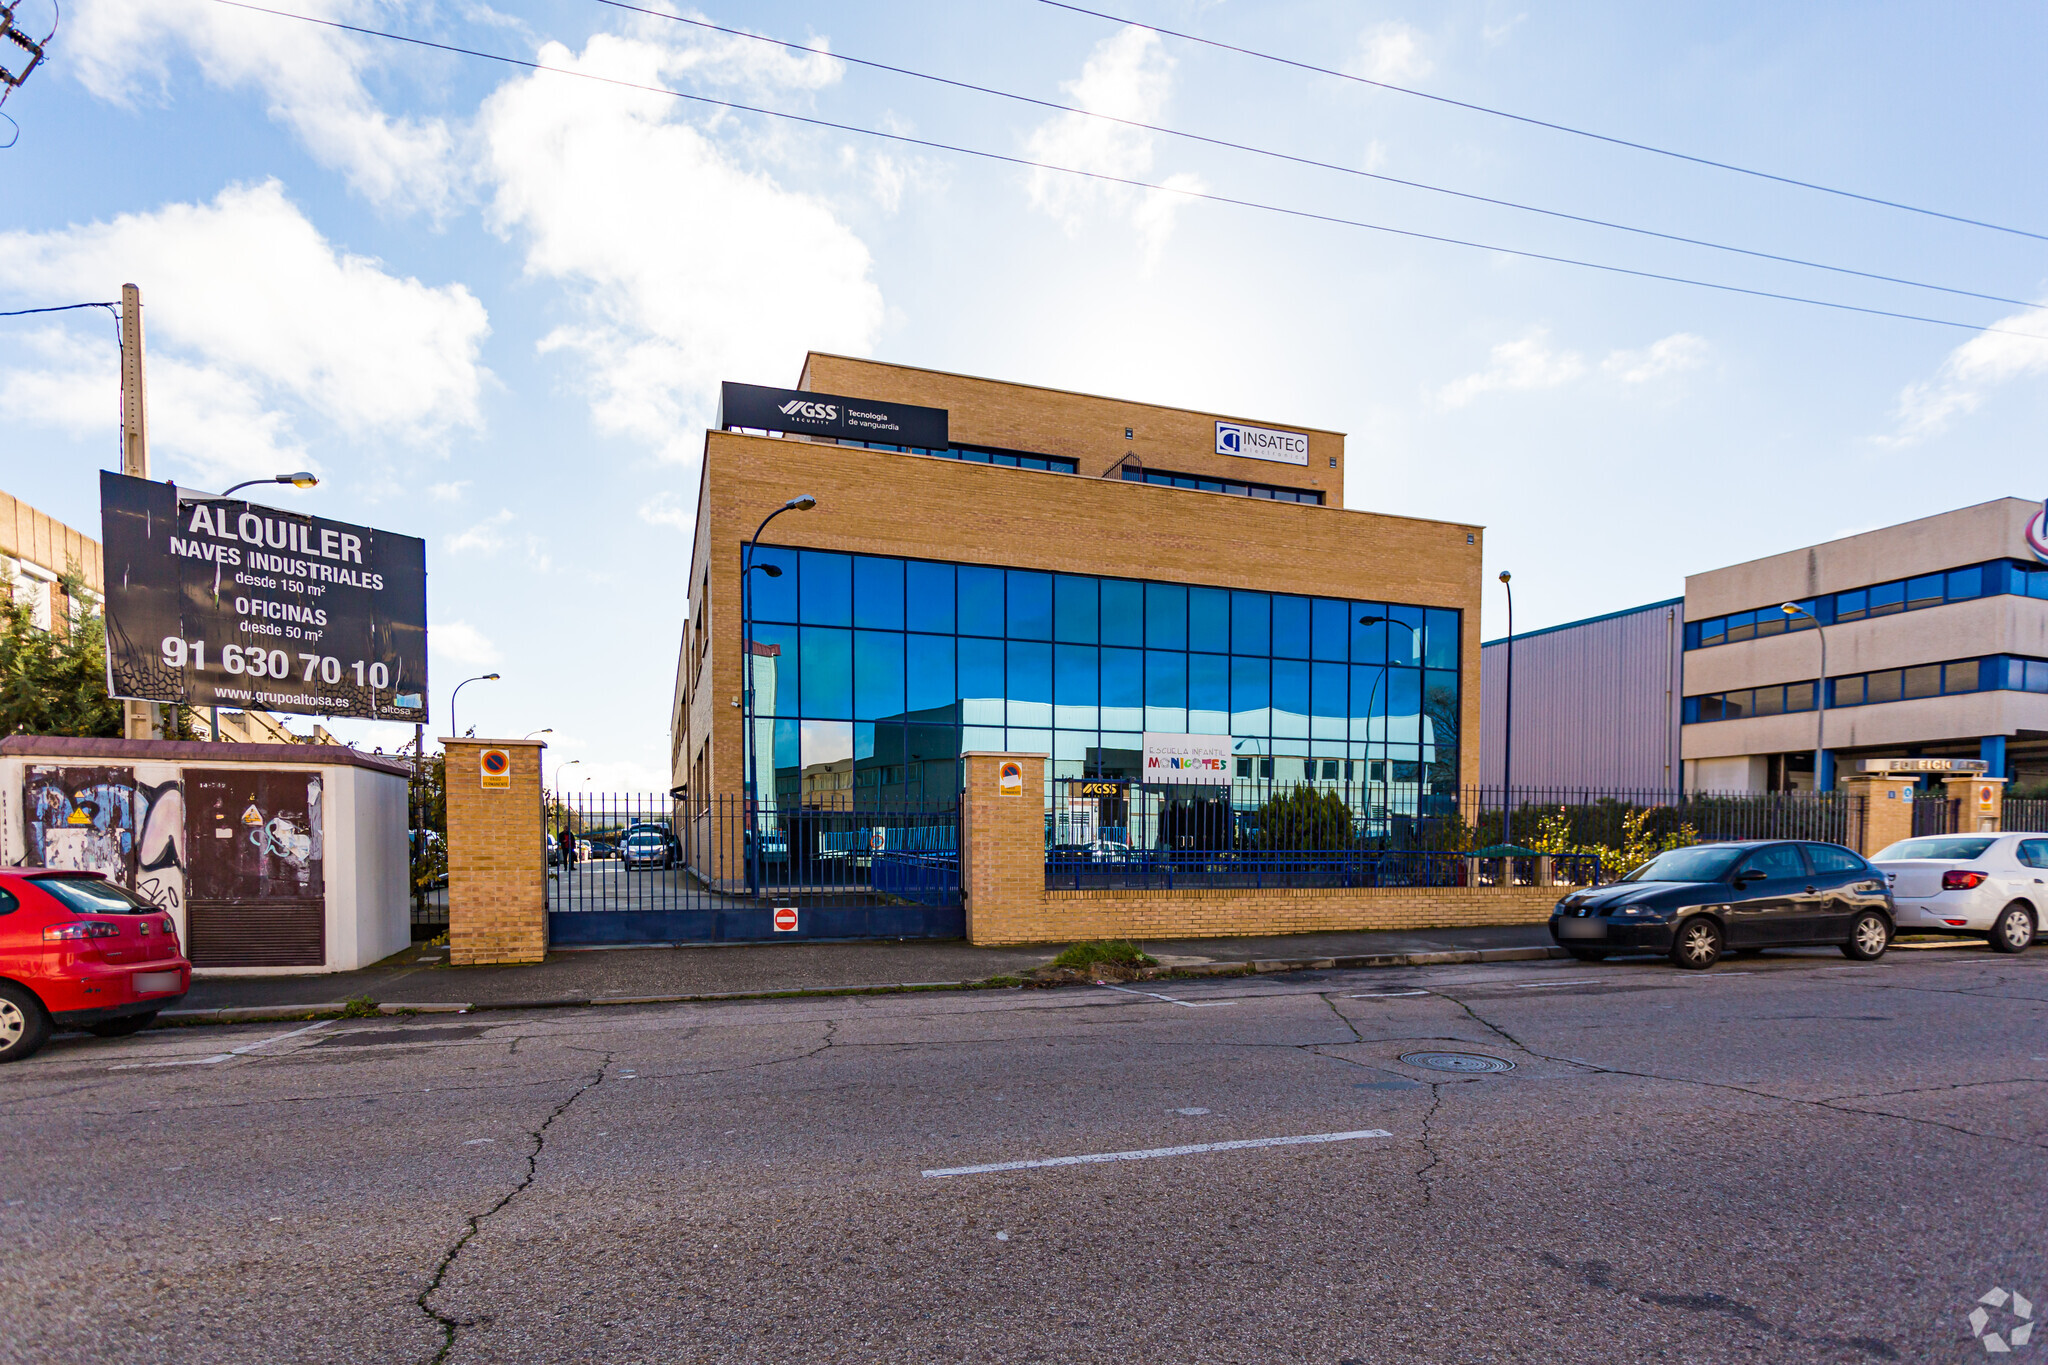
x: 1117, y: 951
x: 359, y: 1007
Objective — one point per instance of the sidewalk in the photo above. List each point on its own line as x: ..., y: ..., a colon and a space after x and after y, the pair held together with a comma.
x: 420, y: 976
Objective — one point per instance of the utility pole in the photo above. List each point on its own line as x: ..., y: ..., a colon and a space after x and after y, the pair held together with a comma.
x: 139, y: 719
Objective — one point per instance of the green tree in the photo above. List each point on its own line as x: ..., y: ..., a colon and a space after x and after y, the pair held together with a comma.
x: 53, y: 684
x: 1304, y: 818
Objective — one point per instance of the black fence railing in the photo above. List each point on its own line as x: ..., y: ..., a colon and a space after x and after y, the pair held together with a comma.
x: 2027, y: 814
x: 1935, y: 815
x: 1256, y: 871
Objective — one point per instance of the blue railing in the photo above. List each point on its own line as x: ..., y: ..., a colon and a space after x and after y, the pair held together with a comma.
x: 1361, y: 869
x: 922, y: 878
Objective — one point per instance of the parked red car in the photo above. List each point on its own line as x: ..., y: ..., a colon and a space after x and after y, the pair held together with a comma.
x: 77, y: 951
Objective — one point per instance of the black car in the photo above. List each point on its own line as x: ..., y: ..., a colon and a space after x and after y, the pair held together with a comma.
x: 1696, y: 903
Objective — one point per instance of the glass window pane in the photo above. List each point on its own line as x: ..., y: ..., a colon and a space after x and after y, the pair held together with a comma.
x: 1404, y: 705
x: 1250, y: 695
x: 1924, y: 681
x: 982, y: 739
x: 1029, y: 686
x: 2037, y: 583
x: 1851, y: 606
x: 2037, y: 676
x: 825, y: 588
x: 774, y: 671
x: 1290, y: 696
x: 1030, y: 741
x: 1331, y: 629
x: 1960, y: 677
x: 1166, y: 616
x: 981, y: 600
x: 1368, y: 699
x: 1442, y: 643
x: 1369, y: 632
x: 774, y: 599
x: 1209, y: 620
x: 1882, y: 687
x: 1030, y: 605
x: 928, y: 677
x: 1924, y: 591
x: 1404, y: 635
x: 931, y: 751
x: 1075, y: 687
x: 826, y: 757
x: 878, y: 593
x: 826, y: 673
x: 1209, y: 694
x: 1713, y: 632
x: 1735, y: 705
x: 1710, y: 706
x: 1887, y: 598
x: 877, y: 675
x: 1166, y: 690
x: 1770, y: 623
x: 1123, y: 612
x: 1329, y: 697
x: 1123, y: 689
x: 1074, y: 608
x: 1965, y: 583
x: 1251, y: 629
x: 1741, y: 626
x: 928, y: 597
x: 1846, y: 691
x: 1799, y: 696
x: 1290, y: 626
x: 787, y: 749
x: 981, y: 681
x: 1072, y: 746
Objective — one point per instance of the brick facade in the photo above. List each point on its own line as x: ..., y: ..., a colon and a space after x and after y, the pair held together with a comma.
x: 1887, y: 809
x: 1980, y: 802
x: 497, y: 856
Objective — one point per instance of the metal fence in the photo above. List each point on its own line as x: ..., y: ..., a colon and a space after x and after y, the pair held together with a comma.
x: 1935, y: 815
x: 2029, y: 814
x: 1252, y: 870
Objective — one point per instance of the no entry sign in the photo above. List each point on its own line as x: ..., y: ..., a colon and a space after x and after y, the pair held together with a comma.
x: 785, y: 919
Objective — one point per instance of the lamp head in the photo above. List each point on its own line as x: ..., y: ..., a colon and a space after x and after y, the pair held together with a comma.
x: 1792, y: 609
x: 489, y: 677
x: 1371, y: 620
x: 302, y: 479
x: 802, y: 502
x: 772, y: 570
x: 1505, y: 575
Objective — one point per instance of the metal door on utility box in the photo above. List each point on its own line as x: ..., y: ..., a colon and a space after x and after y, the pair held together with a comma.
x: 257, y: 886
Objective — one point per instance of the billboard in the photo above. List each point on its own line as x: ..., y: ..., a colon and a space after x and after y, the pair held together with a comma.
x: 831, y: 414
x: 220, y: 602
x: 1187, y: 760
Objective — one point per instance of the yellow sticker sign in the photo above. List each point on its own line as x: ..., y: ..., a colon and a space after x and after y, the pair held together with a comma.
x: 1011, y: 778
x: 496, y: 765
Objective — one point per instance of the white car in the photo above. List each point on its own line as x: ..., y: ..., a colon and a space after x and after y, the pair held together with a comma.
x: 1993, y: 885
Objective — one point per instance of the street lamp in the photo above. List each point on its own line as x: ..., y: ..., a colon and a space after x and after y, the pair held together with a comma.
x: 802, y: 502
x: 1507, y: 743
x: 302, y: 479
x: 1823, y: 780
x: 481, y: 677
x: 1373, y: 695
x: 531, y: 733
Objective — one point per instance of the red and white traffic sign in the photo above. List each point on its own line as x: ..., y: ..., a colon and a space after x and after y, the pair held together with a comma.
x: 785, y: 919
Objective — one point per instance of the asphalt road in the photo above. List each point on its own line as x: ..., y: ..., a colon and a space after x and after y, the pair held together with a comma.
x: 1789, y: 1158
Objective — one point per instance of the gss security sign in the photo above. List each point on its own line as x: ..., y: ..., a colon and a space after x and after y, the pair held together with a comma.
x: 1261, y: 443
x: 828, y: 414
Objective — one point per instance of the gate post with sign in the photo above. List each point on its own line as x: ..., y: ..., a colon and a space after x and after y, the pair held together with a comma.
x: 497, y: 851
x: 1887, y: 814
x: 1002, y: 847
x: 1980, y: 802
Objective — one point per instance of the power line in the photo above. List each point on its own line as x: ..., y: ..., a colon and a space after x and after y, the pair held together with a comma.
x: 1103, y: 176
x: 1319, y: 165
x: 60, y: 308
x: 1542, y: 123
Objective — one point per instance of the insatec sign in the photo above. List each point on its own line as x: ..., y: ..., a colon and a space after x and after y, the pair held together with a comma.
x: 220, y: 602
x: 830, y: 414
x: 1186, y: 759
x: 1261, y: 443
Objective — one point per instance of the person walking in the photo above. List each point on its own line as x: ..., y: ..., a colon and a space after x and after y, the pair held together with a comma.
x: 567, y: 843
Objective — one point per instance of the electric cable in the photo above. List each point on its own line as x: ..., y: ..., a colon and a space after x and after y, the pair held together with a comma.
x: 1543, y: 123
x: 1131, y: 182
x: 1319, y: 165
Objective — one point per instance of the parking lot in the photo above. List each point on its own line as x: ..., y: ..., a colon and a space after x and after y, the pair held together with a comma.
x: 1791, y: 1158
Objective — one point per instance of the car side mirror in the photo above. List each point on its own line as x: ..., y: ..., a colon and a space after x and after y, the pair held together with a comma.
x: 1748, y: 875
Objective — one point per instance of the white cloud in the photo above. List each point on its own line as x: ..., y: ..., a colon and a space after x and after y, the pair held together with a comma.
x: 688, y: 267
x: 309, y: 75
x: 667, y: 510
x: 1679, y: 351
x: 486, y: 537
x: 1968, y: 376
x: 448, y: 492
x: 1497, y: 33
x: 1525, y: 364
x: 1390, y: 52
x: 462, y: 643
x: 1129, y: 75
x: 246, y: 305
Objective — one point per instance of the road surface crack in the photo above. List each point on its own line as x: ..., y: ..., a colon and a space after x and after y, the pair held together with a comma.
x: 1600, y: 1275
x: 1436, y: 1097
x: 450, y: 1326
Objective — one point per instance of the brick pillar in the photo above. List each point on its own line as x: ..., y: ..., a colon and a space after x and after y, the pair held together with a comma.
x: 497, y: 854
x: 1982, y: 802
x: 1002, y: 849
x: 1887, y: 809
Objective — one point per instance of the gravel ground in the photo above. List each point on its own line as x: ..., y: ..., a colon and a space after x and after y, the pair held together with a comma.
x: 1789, y: 1158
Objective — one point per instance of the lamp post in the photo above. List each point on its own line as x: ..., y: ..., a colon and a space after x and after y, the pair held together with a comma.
x: 550, y: 730
x: 454, y: 733
x: 1507, y: 743
x: 802, y: 502
x: 1823, y: 780
x: 302, y: 479
x: 1373, y: 695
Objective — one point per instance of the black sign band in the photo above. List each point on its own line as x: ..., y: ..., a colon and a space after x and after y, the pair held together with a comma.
x: 828, y: 414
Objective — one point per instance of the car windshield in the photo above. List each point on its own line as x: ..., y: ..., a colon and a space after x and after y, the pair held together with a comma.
x: 643, y: 838
x: 1949, y: 848
x: 1704, y: 864
x: 94, y: 896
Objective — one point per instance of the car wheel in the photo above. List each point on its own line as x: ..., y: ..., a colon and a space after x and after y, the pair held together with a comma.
x: 2014, y: 930
x: 24, y: 1027
x: 121, y: 1028
x: 1869, y: 936
x: 1588, y: 954
x: 1698, y: 944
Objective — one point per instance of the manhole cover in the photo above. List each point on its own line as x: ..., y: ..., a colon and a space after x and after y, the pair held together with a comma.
x: 1470, y: 1063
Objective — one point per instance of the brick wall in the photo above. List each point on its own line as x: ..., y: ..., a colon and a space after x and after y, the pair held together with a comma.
x: 1887, y: 809
x: 497, y: 856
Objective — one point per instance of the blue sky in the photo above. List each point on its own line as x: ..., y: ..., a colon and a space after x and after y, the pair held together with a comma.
x: 491, y: 306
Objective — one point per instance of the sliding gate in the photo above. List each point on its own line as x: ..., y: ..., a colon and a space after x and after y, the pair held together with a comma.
x: 646, y: 868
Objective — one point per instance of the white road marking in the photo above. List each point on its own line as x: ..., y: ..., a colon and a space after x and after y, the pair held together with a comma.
x: 1384, y: 995
x: 229, y: 1055
x: 1184, y: 1004
x: 1537, y: 985
x: 1193, y: 1149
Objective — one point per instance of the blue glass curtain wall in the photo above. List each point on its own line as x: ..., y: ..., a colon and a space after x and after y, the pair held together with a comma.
x: 873, y: 674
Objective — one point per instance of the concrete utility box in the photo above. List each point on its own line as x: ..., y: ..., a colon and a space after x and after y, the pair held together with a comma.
x: 273, y: 859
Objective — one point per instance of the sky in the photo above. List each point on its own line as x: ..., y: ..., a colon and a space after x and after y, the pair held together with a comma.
x: 491, y: 306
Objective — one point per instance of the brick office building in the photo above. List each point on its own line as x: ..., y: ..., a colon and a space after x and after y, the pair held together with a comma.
x: 996, y: 566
